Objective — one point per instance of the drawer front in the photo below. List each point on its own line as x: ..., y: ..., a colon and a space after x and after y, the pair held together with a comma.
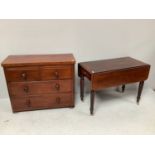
x: 19, y: 74
x: 110, y: 79
x: 42, y: 102
x: 56, y: 72
x: 38, y: 88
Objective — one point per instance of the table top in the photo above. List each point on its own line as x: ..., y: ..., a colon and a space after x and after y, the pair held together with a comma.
x: 26, y: 60
x: 111, y: 64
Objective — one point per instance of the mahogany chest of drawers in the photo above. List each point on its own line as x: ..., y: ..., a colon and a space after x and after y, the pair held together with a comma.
x: 40, y: 81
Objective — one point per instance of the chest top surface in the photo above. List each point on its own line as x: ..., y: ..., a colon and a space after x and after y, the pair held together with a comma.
x: 29, y: 60
x: 112, y: 64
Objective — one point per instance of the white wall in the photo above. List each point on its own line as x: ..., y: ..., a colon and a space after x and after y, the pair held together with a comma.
x: 86, y: 39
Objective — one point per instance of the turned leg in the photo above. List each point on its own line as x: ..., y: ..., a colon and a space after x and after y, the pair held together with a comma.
x: 92, y: 95
x: 123, y: 88
x: 141, y: 84
x: 82, y: 88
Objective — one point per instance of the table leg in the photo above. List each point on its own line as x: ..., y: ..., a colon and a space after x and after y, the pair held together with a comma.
x: 92, y: 96
x: 123, y: 88
x: 141, y: 84
x: 82, y: 88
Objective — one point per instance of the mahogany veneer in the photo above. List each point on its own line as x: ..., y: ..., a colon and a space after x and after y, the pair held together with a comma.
x: 40, y: 81
x: 112, y: 72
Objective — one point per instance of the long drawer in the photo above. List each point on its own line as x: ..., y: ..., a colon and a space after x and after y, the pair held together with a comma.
x: 42, y: 102
x: 38, y: 88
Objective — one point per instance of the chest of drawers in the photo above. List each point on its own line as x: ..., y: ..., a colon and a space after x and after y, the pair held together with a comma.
x: 40, y: 81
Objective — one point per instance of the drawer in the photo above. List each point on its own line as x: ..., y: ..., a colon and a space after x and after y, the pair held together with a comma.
x: 38, y: 88
x: 42, y: 102
x: 114, y: 78
x: 17, y: 74
x: 56, y: 72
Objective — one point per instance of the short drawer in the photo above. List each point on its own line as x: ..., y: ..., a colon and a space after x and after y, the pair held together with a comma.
x: 42, y: 102
x: 56, y: 72
x: 18, y: 74
x: 38, y: 88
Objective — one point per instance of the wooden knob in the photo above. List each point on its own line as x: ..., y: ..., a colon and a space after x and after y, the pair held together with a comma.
x: 24, y: 76
x: 28, y: 103
x: 26, y: 89
x: 56, y: 74
x: 57, y: 86
x: 58, y: 100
